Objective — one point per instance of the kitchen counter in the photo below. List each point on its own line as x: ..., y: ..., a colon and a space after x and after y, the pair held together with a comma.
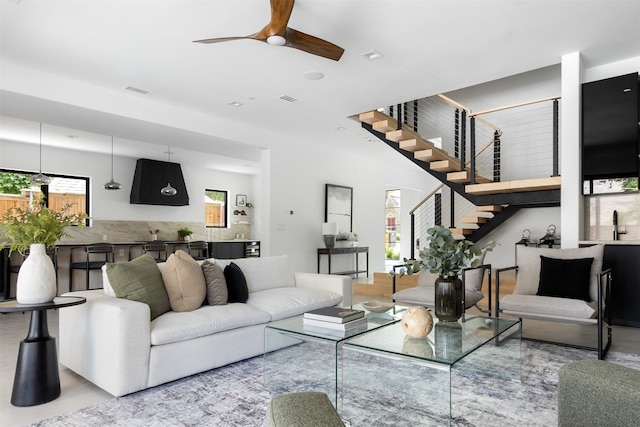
x: 609, y: 242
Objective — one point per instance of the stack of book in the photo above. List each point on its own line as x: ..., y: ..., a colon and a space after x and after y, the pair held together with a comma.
x: 335, y: 320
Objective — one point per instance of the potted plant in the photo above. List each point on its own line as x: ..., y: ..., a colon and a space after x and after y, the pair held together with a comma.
x: 184, y: 233
x: 37, y: 229
x: 446, y: 257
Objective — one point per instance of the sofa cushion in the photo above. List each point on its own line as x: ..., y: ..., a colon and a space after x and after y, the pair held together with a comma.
x: 565, y: 278
x: 184, y: 281
x: 558, y: 308
x: 182, y: 326
x: 263, y: 272
x: 528, y: 259
x: 217, y: 293
x: 140, y: 280
x: 236, y: 283
x: 285, y: 302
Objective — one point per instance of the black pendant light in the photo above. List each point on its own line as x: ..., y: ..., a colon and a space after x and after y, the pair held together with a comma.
x: 168, y: 190
x: 40, y: 178
x: 112, y: 185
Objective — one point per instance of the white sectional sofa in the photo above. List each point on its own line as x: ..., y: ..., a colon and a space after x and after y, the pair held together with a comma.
x: 112, y: 343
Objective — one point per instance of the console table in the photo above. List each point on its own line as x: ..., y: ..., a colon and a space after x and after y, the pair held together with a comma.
x: 340, y: 251
x: 37, y: 379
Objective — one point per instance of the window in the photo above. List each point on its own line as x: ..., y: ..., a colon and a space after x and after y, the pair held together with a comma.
x: 215, y: 208
x: 17, y: 191
x: 392, y: 224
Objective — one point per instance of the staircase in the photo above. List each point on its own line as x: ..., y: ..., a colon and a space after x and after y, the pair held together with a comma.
x: 495, y: 201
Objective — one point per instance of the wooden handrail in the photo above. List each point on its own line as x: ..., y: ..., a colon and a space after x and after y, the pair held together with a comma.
x: 484, y: 147
x: 423, y: 201
x: 507, y: 107
x: 453, y: 103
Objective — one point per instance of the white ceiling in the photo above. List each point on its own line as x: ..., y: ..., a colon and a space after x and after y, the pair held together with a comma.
x: 66, y: 64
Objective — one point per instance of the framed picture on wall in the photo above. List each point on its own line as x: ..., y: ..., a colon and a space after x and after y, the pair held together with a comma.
x: 339, y: 206
x: 241, y: 200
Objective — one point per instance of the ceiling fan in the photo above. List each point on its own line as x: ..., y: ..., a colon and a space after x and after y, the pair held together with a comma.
x: 277, y: 33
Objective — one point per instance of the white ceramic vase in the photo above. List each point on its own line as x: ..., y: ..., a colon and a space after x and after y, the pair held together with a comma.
x: 37, y: 277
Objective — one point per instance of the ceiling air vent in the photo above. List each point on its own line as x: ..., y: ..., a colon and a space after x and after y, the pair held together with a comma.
x: 288, y: 98
x: 137, y: 90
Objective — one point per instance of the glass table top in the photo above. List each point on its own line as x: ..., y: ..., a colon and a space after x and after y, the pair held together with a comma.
x: 374, y: 321
x: 447, y: 343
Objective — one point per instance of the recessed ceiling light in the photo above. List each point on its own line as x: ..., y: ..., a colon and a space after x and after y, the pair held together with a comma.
x: 371, y: 55
x: 235, y: 104
x: 341, y: 128
x: 72, y: 136
x: 137, y: 90
x: 313, y: 75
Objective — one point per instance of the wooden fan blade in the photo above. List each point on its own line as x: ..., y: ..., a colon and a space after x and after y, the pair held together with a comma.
x: 307, y: 43
x: 280, y: 14
x: 223, y: 39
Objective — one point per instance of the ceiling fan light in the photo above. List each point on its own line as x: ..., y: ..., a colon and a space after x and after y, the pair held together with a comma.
x: 276, y: 40
x: 168, y: 190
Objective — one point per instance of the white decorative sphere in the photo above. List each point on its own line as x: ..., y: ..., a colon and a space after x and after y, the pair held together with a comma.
x: 417, y: 322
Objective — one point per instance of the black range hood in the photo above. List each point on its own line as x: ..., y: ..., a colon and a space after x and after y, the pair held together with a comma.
x: 151, y: 176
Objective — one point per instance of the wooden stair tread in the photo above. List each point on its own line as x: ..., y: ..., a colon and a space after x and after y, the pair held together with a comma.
x: 405, y: 133
x: 489, y: 208
x: 535, y: 184
x: 446, y: 166
x: 385, y: 125
x: 370, y: 117
x: 474, y: 219
x: 429, y: 155
x: 463, y: 177
x: 416, y: 145
x: 463, y: 231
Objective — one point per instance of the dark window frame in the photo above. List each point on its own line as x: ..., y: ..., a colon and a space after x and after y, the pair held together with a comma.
x: 225, y: 211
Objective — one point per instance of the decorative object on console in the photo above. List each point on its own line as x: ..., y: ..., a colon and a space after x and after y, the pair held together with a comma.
x: 112, y: 185
x: 154, y: 234
x: 329, y: 232
x: 37, y: 229
x: 417, y: 322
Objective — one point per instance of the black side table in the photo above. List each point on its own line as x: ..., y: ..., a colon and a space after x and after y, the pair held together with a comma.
x: 37, y: 378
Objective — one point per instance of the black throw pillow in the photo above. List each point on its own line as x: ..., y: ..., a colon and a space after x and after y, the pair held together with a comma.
x: 236, y: 283
x: 565, y: 278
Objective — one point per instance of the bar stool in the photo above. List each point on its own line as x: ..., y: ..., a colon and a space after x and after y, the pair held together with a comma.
x: 15, y: 269
x: 200, y: 248
x: 156, y: 249
x: 96, y: 255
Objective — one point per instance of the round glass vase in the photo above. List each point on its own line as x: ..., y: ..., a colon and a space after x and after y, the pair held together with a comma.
x: 448, y: 298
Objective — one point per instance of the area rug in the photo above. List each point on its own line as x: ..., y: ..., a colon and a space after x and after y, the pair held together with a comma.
x: 234, y: 395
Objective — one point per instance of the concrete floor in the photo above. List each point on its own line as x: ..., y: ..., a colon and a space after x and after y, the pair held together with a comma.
x: 78, y: 393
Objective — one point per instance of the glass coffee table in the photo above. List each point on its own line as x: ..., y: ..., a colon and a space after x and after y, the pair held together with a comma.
x: 300, y: 359
x: 391, y: 379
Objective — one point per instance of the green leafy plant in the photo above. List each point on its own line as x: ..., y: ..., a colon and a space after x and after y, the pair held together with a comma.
x: 390, y: 253
x: 184, y: 232
x: 23, y: 227
x: 445, y: 255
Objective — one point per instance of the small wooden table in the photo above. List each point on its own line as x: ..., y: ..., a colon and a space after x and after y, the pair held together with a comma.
x: 338, y: 251
x: 37, y: 379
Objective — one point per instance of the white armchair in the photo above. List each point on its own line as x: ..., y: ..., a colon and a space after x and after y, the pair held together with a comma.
x: 561, y: 285
x: 424, y: 293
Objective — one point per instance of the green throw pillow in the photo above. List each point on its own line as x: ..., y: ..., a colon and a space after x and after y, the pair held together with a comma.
x: 140, y: 280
